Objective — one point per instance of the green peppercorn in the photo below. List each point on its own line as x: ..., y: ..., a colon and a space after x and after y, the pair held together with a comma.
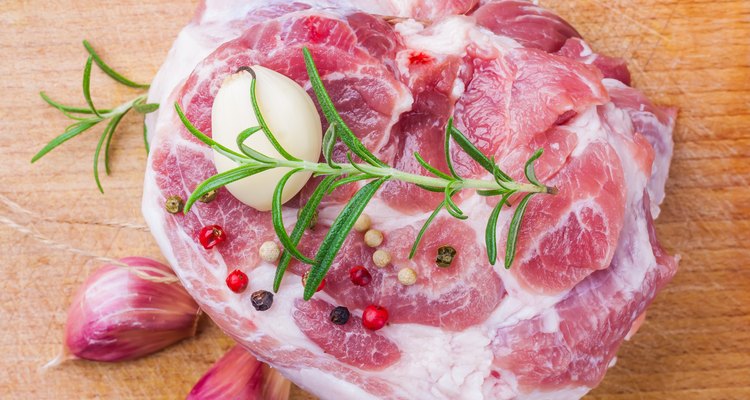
x: 445, y: 256
x: 174, y: 204
x: 208, y: 197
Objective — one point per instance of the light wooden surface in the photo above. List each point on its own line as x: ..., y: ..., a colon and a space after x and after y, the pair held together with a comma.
x: 692, y: 54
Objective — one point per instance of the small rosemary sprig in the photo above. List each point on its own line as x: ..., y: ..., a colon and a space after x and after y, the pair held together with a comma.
x: 90, y: 116
x: 371, y: 169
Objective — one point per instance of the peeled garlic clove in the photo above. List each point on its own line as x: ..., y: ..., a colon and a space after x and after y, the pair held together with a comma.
x: 239, y: 375
x: 291, y: 116
x: 117, y: 315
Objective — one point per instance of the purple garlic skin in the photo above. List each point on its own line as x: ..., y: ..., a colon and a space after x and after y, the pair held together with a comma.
x: 239, y: 375
x: 117, y: 315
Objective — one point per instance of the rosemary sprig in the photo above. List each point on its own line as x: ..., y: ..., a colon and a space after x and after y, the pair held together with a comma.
x: 88, y: 117
x: 371, y: 169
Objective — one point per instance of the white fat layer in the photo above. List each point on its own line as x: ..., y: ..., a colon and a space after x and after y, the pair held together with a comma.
x: 550, y: 321
x: 435, y: 364
x: 277, y: 321
x: 587, y: 126
x: 586, y: 50
x: 619, y: 125
x: 452, y: 36
x: 439, y: 364
x: 190, y: 47
x: 220, y: 11
x: 587, y: 55
x: 660, y: 167
x: 401, y: 8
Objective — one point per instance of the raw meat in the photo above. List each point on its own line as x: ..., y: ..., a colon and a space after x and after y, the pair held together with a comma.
x: 529, y: 24
x: 516, y: 78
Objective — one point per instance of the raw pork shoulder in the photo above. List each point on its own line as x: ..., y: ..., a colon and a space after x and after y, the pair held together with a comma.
x: 516, y: 78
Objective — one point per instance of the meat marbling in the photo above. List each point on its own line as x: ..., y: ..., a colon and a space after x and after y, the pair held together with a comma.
x: 516, y: 78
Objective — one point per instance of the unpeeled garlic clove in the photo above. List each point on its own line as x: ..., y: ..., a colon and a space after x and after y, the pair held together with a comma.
x: 118, y: 315
x: 239, y: 375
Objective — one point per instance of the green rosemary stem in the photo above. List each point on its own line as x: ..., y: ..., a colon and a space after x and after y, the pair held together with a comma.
x: 395, y: 174
x: 86, y: 119
x: 122, y: 108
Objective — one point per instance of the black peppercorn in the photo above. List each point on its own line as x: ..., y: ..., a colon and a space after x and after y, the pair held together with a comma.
x: 262, y: 300
x: 340, y: 315
x: 174, y: 204
x: 445, y: 256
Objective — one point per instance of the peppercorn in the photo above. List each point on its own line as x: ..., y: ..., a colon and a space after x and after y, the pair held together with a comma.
x: 373, y: 238
x: 262, y: 300
x: 360, y: 276
x: 340, y: 315
x: 211, y: 235
x: 362, y: 223
x: 313, y: 220
x: 174, y: 204
x: 269, y: 251
x: 208, y: 196
x: 237, y: 281
x: 445, y: 256
x: 381, y: 258
x: 407, y: 276
x: 374, y: 317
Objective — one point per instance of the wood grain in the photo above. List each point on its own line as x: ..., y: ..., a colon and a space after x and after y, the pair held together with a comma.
x: 693, y: 54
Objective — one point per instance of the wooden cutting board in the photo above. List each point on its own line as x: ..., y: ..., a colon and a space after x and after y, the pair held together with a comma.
x: 692, y: 54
